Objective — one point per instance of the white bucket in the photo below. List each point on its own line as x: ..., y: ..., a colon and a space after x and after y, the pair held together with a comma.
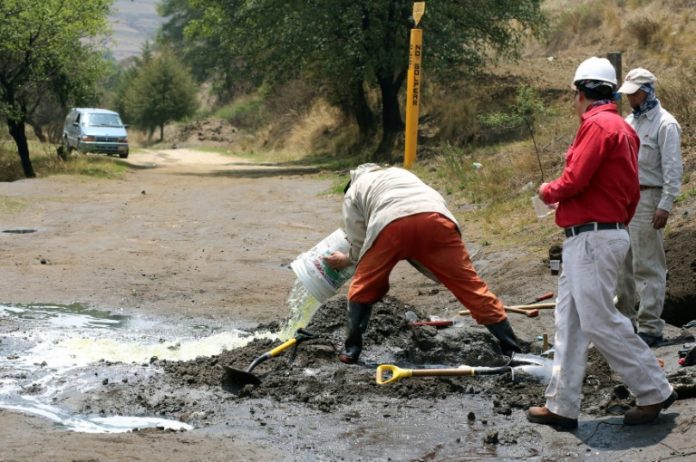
x: 319, y: 279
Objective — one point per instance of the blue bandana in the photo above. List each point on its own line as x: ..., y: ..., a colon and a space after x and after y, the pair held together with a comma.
x: 648, y: 103
x: 600, y: 102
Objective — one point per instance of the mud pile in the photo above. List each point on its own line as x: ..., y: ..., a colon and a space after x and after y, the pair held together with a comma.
x: 680, y: 248
x: 311, y: 375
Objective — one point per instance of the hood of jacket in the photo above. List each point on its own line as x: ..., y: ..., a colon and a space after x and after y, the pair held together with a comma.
x: 360, y: 170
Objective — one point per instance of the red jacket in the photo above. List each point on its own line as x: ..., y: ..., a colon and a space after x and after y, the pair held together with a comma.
x: 600, y: 179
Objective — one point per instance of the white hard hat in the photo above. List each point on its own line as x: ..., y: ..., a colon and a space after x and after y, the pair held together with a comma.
x: 597, y: 69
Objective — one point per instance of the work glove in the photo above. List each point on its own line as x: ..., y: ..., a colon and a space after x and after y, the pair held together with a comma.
x: 506, y: 336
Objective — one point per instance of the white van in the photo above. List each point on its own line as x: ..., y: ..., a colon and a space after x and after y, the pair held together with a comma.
x: 95, y: 130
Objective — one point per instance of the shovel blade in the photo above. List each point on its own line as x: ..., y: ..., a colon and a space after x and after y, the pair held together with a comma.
x: 240, y: 377
x: 531, y: 367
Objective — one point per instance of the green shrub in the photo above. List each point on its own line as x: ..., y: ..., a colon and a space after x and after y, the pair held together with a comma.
x: 646, y: 31
x: 244, y: 112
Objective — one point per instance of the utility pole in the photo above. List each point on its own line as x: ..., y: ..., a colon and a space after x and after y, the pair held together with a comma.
x: 413, y: 81
x: 614, y: 58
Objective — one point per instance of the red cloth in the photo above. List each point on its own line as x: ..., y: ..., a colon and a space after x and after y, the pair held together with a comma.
x: 600, y: 179
x: 434, y: 242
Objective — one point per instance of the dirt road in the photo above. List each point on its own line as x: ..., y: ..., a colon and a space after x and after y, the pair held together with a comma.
x: 196, y: 238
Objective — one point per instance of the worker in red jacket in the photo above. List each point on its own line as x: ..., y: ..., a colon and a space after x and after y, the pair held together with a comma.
x: 597, y: 194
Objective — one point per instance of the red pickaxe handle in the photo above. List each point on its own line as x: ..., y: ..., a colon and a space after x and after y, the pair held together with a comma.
x: 519, y: 309
x: 433, y: 323
x: 545, y: 296
x: 528, y: 313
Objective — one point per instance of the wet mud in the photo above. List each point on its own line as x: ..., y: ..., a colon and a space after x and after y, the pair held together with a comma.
x: 311, y: 377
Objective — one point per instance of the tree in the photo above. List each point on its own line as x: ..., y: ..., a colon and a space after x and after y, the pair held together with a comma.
x: 530, y: 109
x: 123, y: 78
x: 348, y: 47
x: 46, y: 52
x: 161, y: 92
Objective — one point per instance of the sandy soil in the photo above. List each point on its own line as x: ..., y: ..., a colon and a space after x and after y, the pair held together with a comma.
x: 190, y: 236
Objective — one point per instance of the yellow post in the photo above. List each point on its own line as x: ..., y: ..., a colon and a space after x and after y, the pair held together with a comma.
x: 413, y: 87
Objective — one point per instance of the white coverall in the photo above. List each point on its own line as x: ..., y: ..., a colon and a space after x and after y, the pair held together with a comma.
x: 585, y: 313
x: 659, y: 170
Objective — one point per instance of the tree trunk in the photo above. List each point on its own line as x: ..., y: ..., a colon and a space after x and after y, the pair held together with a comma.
x: 364, y: 116
x: 17, y: 132
x: 38, y: 131
x: 161, y: 133
x: 392, y: 123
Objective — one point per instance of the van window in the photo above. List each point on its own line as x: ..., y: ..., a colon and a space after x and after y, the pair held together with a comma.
x: 103, y: 120
x: 77, y: 119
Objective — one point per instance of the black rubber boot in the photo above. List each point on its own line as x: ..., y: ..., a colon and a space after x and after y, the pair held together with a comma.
x: 506, y: 336
x: 358, y: 317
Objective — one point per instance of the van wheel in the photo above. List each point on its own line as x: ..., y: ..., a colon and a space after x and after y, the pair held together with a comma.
x: 123, y: 155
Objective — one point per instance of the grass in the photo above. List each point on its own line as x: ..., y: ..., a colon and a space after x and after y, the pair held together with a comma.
x: 687, y: 193
x: 46, y: 163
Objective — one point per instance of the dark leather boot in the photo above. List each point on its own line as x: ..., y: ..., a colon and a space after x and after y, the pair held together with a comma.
x: 542, y: 415
x: 639, y: 415
x: 506, y: 336
x: 358, y: 317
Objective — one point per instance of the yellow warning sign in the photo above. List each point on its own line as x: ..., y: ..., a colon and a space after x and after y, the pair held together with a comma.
x: 418, y: 10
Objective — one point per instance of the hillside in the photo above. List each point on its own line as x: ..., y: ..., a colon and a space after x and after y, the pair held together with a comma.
x: 132, y: 23
x: 657, y: 35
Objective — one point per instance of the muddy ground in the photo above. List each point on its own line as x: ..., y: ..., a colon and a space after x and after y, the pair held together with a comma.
x: 195, y: 238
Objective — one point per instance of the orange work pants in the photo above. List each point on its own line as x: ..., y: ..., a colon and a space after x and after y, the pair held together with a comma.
x: 433, y: 241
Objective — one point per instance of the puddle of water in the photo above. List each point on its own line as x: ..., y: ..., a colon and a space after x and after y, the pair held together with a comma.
x: 60, y: 349
x: 67, y: 316
x: 18, y: 231
x: 92, y: 424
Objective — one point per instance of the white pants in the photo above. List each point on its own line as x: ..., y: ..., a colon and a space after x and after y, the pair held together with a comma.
x: 585, y: 313
x: 645, y: 270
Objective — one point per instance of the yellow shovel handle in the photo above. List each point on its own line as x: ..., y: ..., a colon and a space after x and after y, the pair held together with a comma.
x: 395, y: 372
x: 282, y: 347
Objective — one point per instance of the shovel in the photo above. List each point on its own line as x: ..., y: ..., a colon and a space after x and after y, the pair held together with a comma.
x: 521, y: 366
x: 388, y: 373
x: 245, y: 377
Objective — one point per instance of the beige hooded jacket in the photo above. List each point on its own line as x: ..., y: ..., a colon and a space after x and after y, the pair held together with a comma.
x: 377, y: 197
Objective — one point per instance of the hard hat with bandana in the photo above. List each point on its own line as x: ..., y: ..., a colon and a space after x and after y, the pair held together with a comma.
x: 599, y: 71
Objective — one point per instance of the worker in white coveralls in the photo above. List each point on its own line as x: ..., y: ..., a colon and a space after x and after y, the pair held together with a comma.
x: 391, y: 215
x: 659, y: 172
x: 596, y: 196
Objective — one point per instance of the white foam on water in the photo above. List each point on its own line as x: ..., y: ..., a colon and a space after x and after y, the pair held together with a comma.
x: 87, y: 424
x: 82, y: 351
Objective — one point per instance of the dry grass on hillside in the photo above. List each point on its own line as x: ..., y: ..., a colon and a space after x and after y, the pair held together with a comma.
x: 651, y: 34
